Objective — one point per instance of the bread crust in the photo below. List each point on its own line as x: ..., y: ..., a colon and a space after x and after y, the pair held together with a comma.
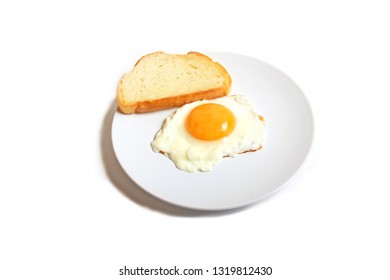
x: 174, y: 101
x: 170, y: 102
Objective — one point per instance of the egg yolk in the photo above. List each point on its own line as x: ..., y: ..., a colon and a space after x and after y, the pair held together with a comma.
x: 210, y: 121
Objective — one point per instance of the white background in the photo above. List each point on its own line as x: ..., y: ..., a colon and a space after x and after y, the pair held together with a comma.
x: 68, y: 212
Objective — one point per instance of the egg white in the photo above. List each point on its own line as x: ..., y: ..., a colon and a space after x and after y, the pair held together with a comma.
x: 191, y: 154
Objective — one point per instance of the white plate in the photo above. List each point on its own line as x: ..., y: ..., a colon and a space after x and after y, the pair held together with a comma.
x: 235, y: 182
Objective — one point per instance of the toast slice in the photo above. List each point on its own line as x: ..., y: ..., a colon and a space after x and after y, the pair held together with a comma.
x: 160, y: 80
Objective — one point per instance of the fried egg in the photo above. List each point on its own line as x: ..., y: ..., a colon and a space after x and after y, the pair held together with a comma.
x: 200, y: 134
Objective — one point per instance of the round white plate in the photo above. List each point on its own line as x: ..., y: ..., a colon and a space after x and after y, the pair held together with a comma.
x: 235, y: 182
